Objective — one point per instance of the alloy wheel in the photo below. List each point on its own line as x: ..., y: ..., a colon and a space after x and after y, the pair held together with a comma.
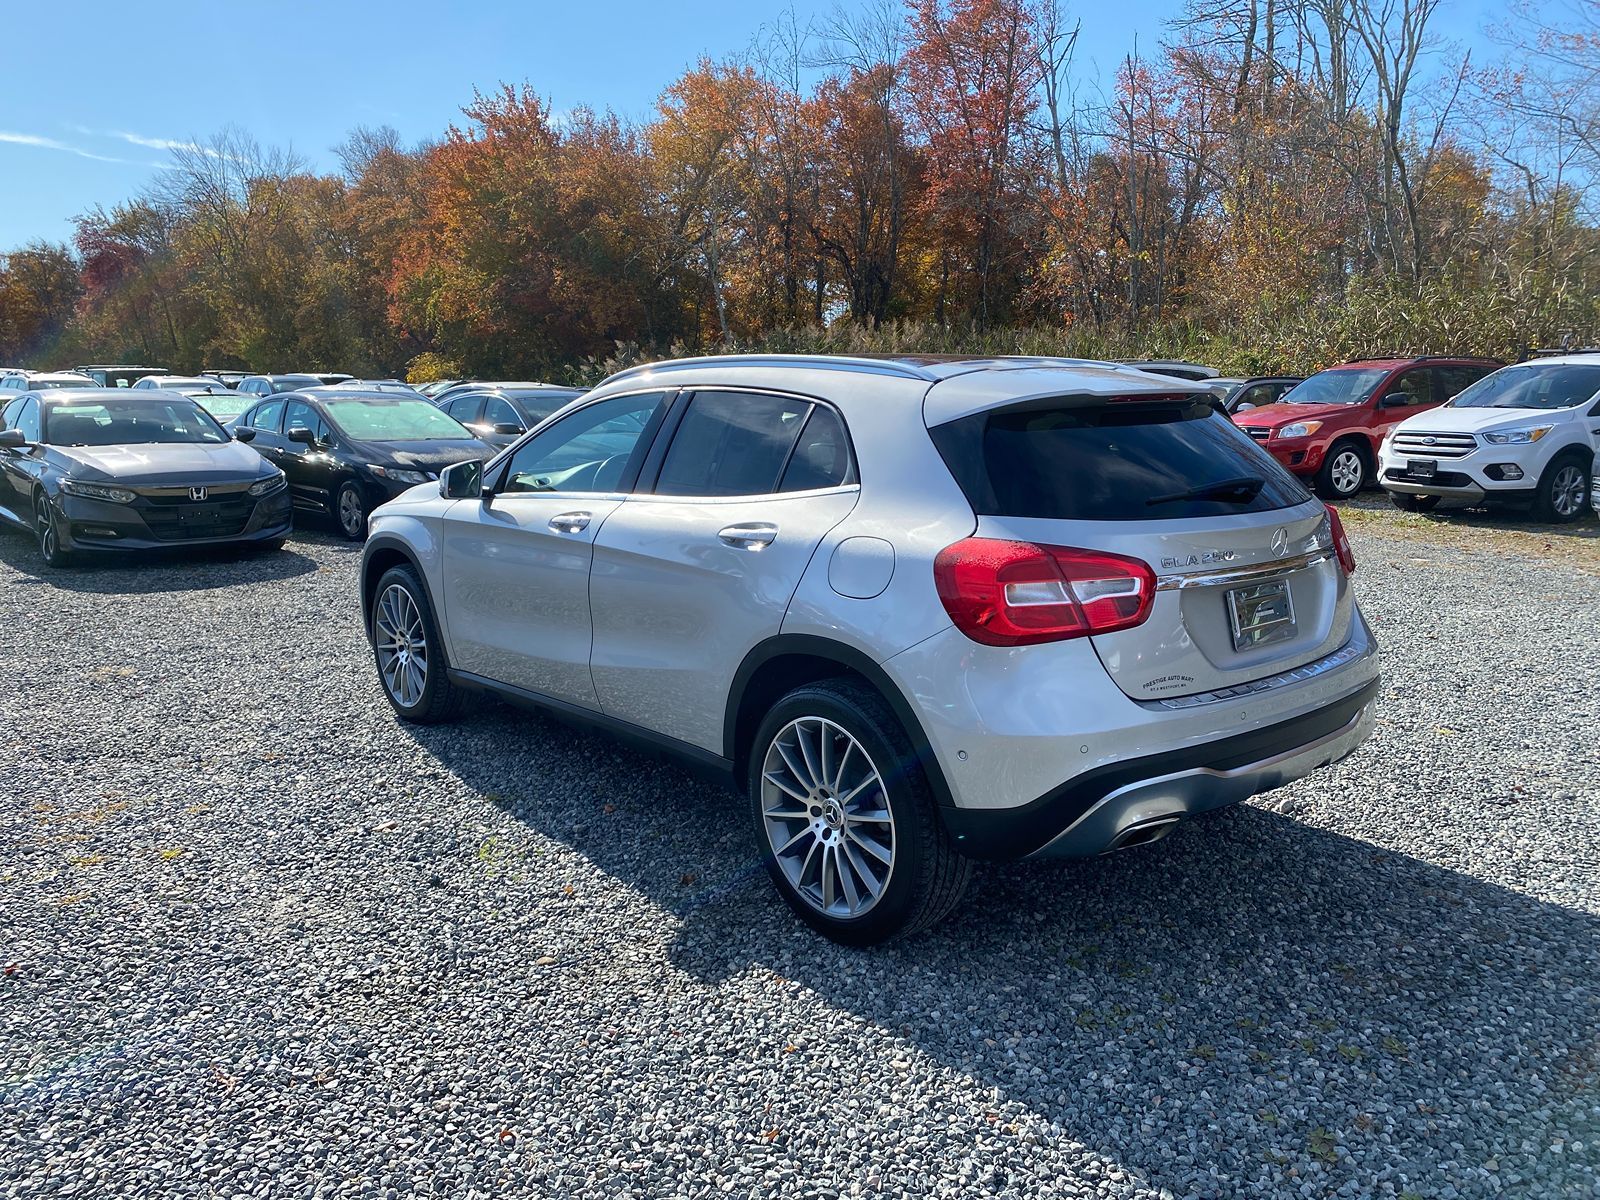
x: 44, y: 523
x: 1566, y: 490
x: 1347, y: 472
x: 402, y: 645
x: 826, y: 817
x: 350, y: 513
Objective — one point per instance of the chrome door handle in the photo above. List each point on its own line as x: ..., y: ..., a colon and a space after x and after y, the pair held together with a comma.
x: 571, y: 522
x: 748, y: 537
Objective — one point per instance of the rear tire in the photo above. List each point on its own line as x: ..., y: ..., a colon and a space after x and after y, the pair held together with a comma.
x: 47, y: 533
x: 1345, y: 470
x: 274, y: 544
x: 408, y: 651
x: 845, y: 820
x: 1563, y: 492
x: 1406, y: 502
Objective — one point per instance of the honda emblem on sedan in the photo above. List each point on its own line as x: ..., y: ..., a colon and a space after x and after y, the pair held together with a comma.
x: 197, y: 493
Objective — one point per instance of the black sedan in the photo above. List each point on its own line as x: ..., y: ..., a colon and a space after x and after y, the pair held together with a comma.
x: 104, y: 469
x: 273, y: 385
x: 346, y: 452
x: 501, y: 413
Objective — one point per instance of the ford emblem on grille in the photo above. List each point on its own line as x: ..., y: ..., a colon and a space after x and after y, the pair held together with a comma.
x: 1430, y: 441
x: 197, y: 493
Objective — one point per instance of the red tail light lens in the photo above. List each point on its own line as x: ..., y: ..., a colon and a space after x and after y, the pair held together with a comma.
x: 1341, y: 541
x: 1003, y: 593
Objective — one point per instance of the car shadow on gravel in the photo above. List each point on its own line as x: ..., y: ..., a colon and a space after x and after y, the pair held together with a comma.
x: 1252, y: 1002
x: 176, y: 570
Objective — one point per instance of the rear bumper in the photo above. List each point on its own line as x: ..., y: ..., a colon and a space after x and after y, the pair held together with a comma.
x: 1139, y: 801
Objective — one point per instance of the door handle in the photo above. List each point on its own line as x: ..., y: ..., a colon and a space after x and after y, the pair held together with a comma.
x: 570, y: 522
x: 753, y: 536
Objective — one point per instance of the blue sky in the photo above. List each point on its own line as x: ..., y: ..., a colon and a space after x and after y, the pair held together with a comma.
x: 112, y: 83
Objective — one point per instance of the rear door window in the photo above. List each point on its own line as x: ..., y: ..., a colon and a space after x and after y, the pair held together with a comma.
x: 821, y: 458
x: 1122, y: 462
x: 266, y: 417
x: 732, y: 444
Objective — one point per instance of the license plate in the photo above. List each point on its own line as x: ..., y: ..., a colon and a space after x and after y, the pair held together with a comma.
x: 1261, y: 614
x: 1425, y: 468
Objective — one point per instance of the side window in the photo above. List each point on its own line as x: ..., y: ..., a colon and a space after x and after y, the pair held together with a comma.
x: 301, y: 415
x: 592, y: 450
x: 466, y: 409
x: 28, y: 419
x: 732, y: 444
x: 267, y: 416
x: 9, y: 417
x: 497, y: 410
x: 821, y: 457
x: 1415, y: 385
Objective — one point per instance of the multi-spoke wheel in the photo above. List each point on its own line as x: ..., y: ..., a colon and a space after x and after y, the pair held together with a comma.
x: 827, y: 820
x: 405, y: 643
x: 1343, y: 472
x: 845, y: 819
x: 47, y: 530
x: 1563, y: 491
x: 351, y: 511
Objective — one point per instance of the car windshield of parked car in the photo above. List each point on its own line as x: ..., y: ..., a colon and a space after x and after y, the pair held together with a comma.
x: 48, y: 384
x: 1559, y: 385
x: 116, y: 422
x: 223, y: 405
x: 397, y: 420
x: 1343, y: 385
x: 539, y: 403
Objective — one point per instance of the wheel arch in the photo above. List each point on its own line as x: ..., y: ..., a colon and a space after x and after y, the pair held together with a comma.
x: 782, y: 663
x: 384, y: 552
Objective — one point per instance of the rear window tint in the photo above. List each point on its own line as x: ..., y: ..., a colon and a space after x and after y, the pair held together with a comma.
x: 1124, y: 462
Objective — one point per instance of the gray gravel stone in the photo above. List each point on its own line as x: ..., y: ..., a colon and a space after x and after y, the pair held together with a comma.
x: 260, y: 939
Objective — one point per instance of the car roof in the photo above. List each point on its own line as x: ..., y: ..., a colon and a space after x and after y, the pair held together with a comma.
x: 946, y: 387
x: 133, y: 396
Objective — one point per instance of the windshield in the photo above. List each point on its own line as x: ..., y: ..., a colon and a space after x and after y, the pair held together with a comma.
x: 1342, y: 385
x: 397, y: 420
x: 224, y: 406
x: 1559, y: 385
x: 47, y: 383
x: 128, y: 422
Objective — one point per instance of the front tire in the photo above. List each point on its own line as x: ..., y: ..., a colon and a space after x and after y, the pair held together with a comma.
x: 408, y: 651
x: 1563, y: 492
x: 47, y: 533
x: 1406, y: 502
x: 350, y: 511
x: 845, y: 820
x: 1344, y: 471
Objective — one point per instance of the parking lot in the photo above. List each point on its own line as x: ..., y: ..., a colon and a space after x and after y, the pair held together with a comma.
x: 260, y: 938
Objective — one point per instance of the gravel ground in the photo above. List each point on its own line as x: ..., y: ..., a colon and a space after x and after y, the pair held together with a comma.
x: 259, y: 939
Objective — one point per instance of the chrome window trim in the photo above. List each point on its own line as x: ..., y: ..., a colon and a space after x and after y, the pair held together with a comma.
x: 1245, y: 574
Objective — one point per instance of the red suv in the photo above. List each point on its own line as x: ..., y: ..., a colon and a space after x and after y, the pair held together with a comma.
x: 1328, y: 427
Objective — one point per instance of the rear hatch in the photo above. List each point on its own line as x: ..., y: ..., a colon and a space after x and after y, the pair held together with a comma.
x: 1247, y: 583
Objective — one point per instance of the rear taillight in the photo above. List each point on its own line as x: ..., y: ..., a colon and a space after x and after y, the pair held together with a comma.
x: 1005, y: 593
x: 1341, y: 541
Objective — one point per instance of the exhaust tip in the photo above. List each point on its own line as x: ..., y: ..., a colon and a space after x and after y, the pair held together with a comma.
x: 1144, y: 833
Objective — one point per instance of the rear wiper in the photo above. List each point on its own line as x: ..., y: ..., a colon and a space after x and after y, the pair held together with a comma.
x: 1243, y: 489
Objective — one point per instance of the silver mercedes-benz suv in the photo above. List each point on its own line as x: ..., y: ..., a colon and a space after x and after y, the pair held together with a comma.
x: 920, y: 611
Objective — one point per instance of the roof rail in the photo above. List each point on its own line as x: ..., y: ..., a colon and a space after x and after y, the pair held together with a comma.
x: 1417, y: 357
x: 817, y: 362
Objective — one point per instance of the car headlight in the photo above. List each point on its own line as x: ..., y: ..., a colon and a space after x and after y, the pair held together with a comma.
x: 265, y: 487
x: 97, y: 491
x: 399, y: 474
x: 1299, y: 429
x: 1517, y: 437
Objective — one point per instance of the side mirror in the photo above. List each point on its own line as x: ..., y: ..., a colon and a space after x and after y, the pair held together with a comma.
x: 461, y: 481
x: 244, y: 433
x: 302, y: 435
x: 12, y: 439
x: 508, y: 428
x: 1245, y: 407
x: 1396, y: 400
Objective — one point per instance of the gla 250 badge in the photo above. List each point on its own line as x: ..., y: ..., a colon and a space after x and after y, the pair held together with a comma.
x: 1203, y: 559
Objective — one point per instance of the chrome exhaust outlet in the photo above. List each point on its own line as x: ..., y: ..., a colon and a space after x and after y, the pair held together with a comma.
x: 1142, y: 833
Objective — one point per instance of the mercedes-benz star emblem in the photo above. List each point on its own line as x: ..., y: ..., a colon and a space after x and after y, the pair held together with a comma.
x: 1280, y: 540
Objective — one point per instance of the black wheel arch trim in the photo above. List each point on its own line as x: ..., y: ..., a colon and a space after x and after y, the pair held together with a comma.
x: 387, y: 542
x: 811, y: 646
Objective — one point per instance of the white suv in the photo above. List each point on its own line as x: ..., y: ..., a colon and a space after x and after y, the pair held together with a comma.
x: 1525, y: 433
x: 917, y: 611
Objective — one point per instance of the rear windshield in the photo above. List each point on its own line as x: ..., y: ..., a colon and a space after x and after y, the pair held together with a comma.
x: 1123, y: 462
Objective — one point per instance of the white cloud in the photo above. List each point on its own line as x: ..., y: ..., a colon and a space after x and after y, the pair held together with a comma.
x: 46, y: 143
